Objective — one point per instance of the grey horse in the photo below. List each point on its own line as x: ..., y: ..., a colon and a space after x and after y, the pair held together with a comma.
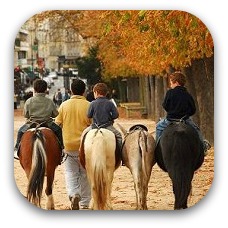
x: 138, y: 156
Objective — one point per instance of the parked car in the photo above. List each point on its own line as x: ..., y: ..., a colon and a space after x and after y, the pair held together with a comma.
x: 49, y: 81
x: 73, y: 72
x: 53, y: 75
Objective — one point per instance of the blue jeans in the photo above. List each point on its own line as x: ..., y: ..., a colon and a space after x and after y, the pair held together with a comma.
x: 20, y: 133
x: 163, y: 123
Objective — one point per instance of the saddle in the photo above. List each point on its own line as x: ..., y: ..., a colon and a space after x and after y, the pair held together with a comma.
x: 118, y: 152
x: 138, y: 127
x: 132, y: 129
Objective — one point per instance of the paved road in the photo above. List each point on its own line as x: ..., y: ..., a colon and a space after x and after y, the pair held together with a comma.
x: 58, y: 84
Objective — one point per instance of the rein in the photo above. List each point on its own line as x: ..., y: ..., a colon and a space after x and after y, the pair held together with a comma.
x: 37, y: 125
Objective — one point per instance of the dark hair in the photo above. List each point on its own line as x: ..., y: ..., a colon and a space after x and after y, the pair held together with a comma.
x: 101, y: 88
x: 178, y: 77
x: 40, y: 86
x: 78, y: 87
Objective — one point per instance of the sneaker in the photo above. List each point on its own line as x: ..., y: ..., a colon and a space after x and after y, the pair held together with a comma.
x: 75, y: 202
x: 15, y: 154
x: 84, y: 207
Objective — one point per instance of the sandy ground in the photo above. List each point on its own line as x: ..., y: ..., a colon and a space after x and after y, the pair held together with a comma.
x: 160, y: 195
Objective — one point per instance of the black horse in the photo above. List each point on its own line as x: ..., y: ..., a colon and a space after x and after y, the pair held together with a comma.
x: 180, y: 153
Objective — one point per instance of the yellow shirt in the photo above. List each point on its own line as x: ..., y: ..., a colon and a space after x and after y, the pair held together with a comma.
x: 73, y: 120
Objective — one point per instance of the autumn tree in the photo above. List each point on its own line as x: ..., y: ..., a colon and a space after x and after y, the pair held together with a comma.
x: 150, y: 44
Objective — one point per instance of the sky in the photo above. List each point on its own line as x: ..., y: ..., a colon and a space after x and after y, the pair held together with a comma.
x: 207, y: 213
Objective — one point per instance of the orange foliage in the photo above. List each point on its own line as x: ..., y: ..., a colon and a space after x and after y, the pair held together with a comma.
x: 140, y: 42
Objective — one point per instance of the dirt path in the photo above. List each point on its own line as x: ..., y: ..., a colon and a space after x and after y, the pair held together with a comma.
x: 160, y: 196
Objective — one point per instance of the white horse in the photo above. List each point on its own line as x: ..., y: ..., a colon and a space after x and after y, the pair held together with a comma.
x: 100, y: 164
x: 138, y: 156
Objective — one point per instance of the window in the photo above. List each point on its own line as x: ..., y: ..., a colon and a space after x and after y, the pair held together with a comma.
x: 22, y: 55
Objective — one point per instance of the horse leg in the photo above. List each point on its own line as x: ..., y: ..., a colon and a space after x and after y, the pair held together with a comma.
x: 109, y: 190
x: 91, y: 204
x: 95, y: 198
x: 27, y: 172
x: 138, y: 189
x: 48, y: 191
x: 145, y: 182
x: 137, y: 196
x: 144, y: 193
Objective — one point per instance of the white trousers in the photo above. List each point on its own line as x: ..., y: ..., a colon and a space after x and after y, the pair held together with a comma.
x: 76, y: 178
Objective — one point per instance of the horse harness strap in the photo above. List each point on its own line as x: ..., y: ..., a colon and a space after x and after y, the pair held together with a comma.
x: 104, y: 125
x: 36, y: 125
x: 182, y: 119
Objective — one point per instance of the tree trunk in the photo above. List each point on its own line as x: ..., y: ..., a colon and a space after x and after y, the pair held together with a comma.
x: 203, y: 76
x: 159, y: 97
x: 151, y: 112
x: 190, y: 85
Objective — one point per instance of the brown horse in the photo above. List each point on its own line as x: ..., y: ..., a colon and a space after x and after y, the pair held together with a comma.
x: 138, y: 156
x: 39, y: 156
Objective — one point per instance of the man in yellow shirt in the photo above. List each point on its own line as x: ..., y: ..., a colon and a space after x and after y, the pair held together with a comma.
x: 73, y: 120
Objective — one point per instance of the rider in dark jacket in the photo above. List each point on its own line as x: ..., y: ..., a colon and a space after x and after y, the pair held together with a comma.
x: 179, y: 104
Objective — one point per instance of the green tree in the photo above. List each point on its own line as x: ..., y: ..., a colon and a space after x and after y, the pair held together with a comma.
x: 89, y: 67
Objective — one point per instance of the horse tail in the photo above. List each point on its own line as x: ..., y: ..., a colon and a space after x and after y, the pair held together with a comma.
x: 37, y: 173
x: 181, y: 172
x: 144, y: 150
x: 98, y: 158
